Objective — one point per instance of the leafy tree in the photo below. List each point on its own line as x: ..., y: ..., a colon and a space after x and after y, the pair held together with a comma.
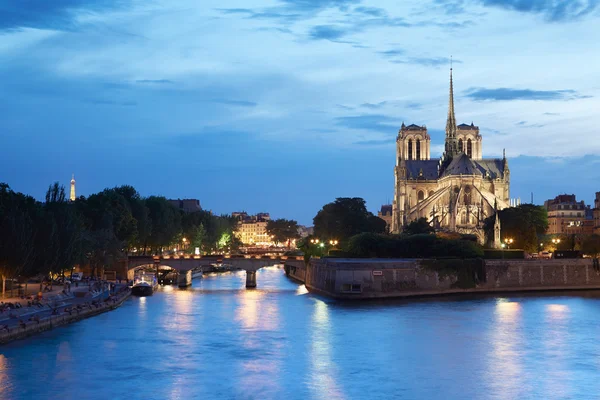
x: 417, y: 227
x: 523, y: 224
x: 591, y: 246
x: 166, y: 223
x: 344, y: 218
x: 283, y: 230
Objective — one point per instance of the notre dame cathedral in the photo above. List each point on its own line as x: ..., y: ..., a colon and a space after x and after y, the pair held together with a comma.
x: 455, y: 192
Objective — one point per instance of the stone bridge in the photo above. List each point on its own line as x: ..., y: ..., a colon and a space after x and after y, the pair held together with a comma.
x: 185, y: 265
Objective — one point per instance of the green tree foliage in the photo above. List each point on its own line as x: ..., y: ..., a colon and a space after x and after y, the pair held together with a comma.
x: 591, y: 246
x: 283, y: 230
x: 166, y: 223
x: 411, y: 246
x: 344, y: 218
x: 523, y: 224
x: 419, y: 226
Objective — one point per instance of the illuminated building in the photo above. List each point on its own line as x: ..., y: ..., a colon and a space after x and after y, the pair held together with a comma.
x: 566, y: 215
x: 456, y: 192
x: 252, y: 230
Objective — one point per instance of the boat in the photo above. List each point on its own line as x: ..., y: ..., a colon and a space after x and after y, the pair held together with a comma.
x: 144, y: 285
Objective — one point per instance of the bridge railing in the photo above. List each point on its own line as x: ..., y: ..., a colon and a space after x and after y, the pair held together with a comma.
x: 217, y: 257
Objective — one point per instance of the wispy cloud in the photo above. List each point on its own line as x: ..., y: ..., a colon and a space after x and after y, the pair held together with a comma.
x: 552, y: 10
x: 104, y: 102
x: 155, y: 81
x: 374, y: 106
x: 373, y: 122
x: 506, y: 94
x: 328, y: 32
x: 241, y: 103
x: 53, y: 14
x: 375, y: 142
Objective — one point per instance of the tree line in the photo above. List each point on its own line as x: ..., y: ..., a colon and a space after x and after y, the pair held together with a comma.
x: 52, y: 236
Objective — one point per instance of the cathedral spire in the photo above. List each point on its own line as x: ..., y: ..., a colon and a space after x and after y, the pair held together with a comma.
x: 451, y: 142
x: 72, y: 194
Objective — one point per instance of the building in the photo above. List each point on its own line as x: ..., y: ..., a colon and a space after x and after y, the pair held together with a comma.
x: 72, y: 196
x: 305, y: 231
x: 566, y: 215
x: 596, y: 214
x: 386, y: 214
x: 252, y: 229
x: 455, y: 192
x: 187, y: 205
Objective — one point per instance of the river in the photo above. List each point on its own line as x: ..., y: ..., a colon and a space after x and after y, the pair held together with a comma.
x: 218, y: 340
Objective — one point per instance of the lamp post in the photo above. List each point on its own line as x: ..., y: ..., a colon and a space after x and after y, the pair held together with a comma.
x: 556, y: 241
x: 508, y: 242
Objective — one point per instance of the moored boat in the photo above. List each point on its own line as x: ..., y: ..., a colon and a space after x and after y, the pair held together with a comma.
x: 144, y: 285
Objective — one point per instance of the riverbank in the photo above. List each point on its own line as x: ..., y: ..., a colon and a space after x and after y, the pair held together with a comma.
x: 70, y: 312
x: 389, y: 278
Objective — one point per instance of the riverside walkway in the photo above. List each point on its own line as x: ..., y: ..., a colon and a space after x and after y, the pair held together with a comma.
x: 58, y: 308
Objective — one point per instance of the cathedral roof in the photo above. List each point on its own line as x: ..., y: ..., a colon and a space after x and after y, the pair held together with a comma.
x: 465, y: 127
x: 461, y: 165
x: 413, y: 127
x: 422, y: 169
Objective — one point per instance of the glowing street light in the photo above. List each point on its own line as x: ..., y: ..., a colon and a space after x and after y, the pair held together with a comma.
x: 508, y: 242
x: 333, y: 242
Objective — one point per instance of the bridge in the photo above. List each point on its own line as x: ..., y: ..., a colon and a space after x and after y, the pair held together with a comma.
x: 186, y: 265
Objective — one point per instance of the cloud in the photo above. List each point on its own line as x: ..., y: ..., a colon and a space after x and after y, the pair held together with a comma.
x: 524, y: 124
x: 414, y: 106
x: 375, y: 142
x: 373, y: 122
x: 371, y: 11
x: 374, y: 106
x: 155, y: 81
x: 53, y: 14
x: 392, y: 53
x: 426, y: 61
x: 103, y: 102
x: 230, y: 102
x: 327, y: 32
x: 552, y: 10
x: 505, y: 94
x: 551, y: 113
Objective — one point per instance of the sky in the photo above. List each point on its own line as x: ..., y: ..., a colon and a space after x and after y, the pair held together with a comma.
x: 281, y: 106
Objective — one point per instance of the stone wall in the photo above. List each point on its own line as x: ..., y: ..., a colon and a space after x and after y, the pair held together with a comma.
x: 32, y: 327
x: 375, y: 278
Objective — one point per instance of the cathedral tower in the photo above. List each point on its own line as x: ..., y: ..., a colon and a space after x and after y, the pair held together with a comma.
x: 451, y: 148
x: 72, y: 196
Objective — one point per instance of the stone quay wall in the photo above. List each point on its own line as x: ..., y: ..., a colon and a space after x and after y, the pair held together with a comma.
x: 380, y: 278
x: 32, y: 327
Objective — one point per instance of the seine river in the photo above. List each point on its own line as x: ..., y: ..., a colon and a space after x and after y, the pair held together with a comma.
x: 218, y: 340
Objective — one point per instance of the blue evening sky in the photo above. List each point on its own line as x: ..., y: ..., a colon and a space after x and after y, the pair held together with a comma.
x: 283, y: 105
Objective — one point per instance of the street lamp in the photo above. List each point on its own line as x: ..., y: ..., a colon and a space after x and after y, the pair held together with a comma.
x: 556, y: 241
x: 333, y: 242
x: 314, y: 241
x: 508, y: 242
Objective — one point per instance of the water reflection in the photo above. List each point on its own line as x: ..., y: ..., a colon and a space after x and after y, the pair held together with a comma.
x: 322, y: 369
x: 505, y: 369
x: 218, y: 340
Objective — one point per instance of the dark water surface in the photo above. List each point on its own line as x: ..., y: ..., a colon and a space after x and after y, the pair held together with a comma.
x: 218, y: 340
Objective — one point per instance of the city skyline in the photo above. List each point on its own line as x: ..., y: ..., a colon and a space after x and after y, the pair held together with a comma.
x: 282, y: 106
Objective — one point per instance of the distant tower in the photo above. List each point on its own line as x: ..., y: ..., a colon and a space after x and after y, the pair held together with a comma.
x: 72, y: 196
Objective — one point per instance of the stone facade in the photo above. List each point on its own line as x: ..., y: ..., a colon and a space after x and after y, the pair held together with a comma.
x: 596, y: 214
x: 379, y: 278
x: 386, y: 214
x: 454, y: 193
x: 568, y: 216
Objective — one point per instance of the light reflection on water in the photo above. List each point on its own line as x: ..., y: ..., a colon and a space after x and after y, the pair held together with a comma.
x: 217, y: 340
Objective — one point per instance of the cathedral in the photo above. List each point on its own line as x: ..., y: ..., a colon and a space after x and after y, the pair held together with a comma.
x: 455, y: 192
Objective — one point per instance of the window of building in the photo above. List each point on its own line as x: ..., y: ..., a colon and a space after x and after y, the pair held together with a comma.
x: 418, y: 149
x: 410, y: 152
x: 469, y: 148
x: 420, y: 195
x: 460, y: 145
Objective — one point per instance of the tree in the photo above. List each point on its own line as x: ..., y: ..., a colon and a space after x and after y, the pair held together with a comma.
x: 283, y: 230
x: 166, y: 223
x: 346, y: 217
x: 523, y: 224
x: 591, y: 246
x: 418, y: 227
